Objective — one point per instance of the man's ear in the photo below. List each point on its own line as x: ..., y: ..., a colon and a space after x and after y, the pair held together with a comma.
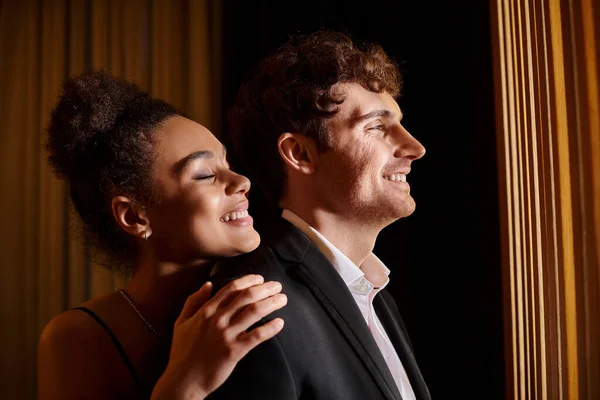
x: 130, y: 217
x: 298, y: 151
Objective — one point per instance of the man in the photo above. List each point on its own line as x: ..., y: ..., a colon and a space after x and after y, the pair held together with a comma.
x: 318, y: 128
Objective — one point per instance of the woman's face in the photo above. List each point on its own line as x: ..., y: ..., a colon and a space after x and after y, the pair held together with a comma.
x: 202, y: 212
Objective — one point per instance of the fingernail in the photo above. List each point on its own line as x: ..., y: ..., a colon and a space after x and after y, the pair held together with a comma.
x: 281, y: 298
x: 275, y: 285
x: 278, y: 323
x: 259, y: 279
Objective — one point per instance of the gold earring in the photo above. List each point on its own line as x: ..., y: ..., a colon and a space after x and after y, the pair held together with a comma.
x: 146, y: 235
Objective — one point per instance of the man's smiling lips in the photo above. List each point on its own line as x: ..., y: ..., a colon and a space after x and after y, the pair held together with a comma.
x: 395, y: 177
x: 398, y: 176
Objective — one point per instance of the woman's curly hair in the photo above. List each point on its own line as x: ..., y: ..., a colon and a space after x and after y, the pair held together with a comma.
x: 100, y: 141
x: 293, y: 90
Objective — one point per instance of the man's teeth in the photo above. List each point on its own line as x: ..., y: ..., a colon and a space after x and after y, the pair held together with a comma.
x: 395, y: 177
x: 232, y: 216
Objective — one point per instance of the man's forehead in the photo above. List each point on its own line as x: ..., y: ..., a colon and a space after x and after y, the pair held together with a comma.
x: 359, y: 102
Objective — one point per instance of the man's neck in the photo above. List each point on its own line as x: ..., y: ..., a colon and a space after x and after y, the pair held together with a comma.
x: 353, y: 238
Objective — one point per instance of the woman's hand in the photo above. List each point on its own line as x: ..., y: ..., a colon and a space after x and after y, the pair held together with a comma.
x: 210, y: 338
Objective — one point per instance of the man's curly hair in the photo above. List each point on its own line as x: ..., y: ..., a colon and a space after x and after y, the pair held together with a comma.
x: 293, y: 91
x: 100, y: 140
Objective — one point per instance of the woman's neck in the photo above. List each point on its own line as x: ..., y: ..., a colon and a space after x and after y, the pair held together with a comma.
x: 160, y: 291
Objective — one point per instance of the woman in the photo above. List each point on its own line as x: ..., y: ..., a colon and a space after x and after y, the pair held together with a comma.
x: 158, y: 200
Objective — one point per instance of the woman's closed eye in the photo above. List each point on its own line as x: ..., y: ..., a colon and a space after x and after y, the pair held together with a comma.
x: 204, y: 176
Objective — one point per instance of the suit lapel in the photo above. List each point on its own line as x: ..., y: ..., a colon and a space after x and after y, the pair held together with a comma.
x: 391, y: 323
x: 316, y: 272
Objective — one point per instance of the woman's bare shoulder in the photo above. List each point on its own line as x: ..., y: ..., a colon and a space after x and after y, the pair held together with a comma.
x: 75, y: 327
x: 75, y: 354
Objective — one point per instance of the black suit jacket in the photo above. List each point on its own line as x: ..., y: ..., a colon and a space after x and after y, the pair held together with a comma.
x: 325, y: 350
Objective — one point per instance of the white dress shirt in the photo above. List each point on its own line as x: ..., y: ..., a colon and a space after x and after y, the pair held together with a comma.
x: 363, y: 292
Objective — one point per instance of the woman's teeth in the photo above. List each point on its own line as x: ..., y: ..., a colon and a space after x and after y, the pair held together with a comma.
x: 395, y: 177
x: 232, y: 216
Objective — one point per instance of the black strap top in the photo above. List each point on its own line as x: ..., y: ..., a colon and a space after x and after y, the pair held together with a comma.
x: 126, y: 360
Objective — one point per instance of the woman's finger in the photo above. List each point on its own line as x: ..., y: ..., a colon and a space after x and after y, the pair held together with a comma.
x: 248, y: 296
x: 194, y: 302
x: 248, y: 341
x: 229, y: 291
x: 254, y: 312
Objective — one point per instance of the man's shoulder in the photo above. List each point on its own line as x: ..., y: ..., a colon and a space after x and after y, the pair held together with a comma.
x: 261, y: 258
x: 261, y: 261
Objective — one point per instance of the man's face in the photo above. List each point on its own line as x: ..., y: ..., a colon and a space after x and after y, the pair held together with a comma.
x: 362, y: 175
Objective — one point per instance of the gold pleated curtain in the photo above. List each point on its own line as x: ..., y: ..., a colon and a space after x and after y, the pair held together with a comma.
x: 171, y: 48
x: 547, y: 67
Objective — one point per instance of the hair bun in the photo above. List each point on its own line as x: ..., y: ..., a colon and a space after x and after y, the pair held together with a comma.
x: 87, y: 111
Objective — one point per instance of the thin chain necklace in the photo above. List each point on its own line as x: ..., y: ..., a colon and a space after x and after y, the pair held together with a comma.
x: 139, y: 313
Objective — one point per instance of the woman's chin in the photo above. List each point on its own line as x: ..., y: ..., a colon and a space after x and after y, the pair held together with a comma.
x: 247, y: 244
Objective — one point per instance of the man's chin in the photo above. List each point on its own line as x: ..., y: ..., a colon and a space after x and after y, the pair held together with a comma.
x: 406, y: 209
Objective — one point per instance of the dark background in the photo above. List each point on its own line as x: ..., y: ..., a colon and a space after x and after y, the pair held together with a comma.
x: 445, y: 259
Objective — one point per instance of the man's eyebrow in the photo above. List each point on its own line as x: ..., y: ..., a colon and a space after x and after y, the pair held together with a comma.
x: 373, y: 114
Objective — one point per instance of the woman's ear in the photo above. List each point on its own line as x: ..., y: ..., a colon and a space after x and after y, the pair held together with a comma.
x: 131, y: 217
x: 298, y: 151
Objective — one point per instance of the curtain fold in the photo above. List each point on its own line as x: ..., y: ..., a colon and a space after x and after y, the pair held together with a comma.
x: 548, y: 112
x: 170, y: 48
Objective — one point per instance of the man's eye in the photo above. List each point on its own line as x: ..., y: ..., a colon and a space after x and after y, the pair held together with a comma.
x: 377, y: 127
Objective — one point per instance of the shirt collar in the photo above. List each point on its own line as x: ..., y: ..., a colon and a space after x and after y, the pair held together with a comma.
x: 349, y: 272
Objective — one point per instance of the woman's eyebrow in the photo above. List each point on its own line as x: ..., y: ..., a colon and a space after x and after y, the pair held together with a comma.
x: 182, y: 164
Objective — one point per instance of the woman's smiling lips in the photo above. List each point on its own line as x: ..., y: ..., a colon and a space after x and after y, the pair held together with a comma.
x: 238, y: 216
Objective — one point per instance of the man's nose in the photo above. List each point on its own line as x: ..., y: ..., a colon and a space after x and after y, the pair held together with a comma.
x: 408, y: 146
